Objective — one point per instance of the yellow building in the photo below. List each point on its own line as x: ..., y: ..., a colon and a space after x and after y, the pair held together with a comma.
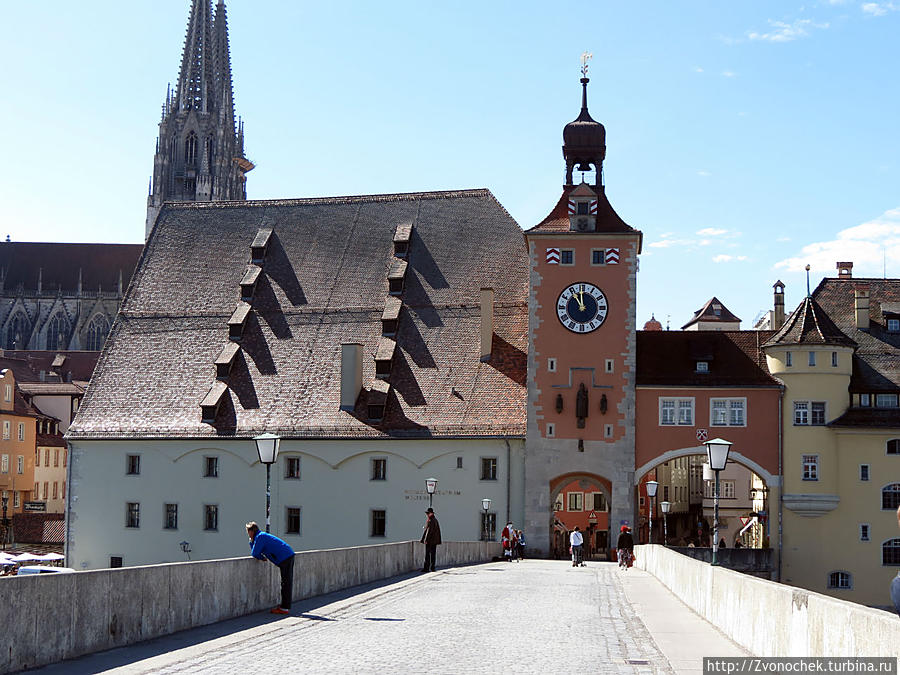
x: 838, y: 356
x: 17, y: 445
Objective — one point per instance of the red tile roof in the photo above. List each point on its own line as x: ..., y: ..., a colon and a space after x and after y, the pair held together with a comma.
x: 810, y: 324
x: 712, y: 311
x: 558, y: 219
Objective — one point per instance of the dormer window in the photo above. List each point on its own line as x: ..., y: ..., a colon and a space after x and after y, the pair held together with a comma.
x: 702, y: 366
x: 893, y: 325
x: 583, y: 208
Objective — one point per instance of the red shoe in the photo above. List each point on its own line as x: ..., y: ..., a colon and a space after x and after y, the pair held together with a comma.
x: 279, y: 610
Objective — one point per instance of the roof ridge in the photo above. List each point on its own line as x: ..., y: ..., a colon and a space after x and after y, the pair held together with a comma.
x: 340, y: 199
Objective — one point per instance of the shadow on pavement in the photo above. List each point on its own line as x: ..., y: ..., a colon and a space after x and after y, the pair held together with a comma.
x: 195, y: 637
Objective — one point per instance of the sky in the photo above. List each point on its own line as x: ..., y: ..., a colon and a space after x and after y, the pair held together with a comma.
x: 744, y: 139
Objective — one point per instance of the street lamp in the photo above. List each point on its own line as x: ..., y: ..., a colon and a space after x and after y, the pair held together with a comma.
x: 665, y: 506
x: 486, y: 505
x: 5, y: 520
x: 652, y: 485
x: 430, y: 485
x: 267, y: 447
x: 717, y: 453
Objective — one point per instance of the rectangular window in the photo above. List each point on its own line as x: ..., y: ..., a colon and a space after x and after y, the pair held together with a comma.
x: 576, y: 501
x: 55, y: 490
x: 598, y: 256
x: 115, y: 561
x: 886, y: 400
x: 567, y: 257
x: 20, y: 464
x: 599, y: 501
x: 865, y: 400
x: 292, y: 520
x: 46, y: 456
x: 5, y: 430
x: 839, y: 580
x: 459, y: 463
x: 21, y: 431
x: 817, y: 413
x: 37, y: 457
x: 170, y: 517
x: 551, y: 430
x: 211, y: 467
x: 56, y: 457
x: 788, y: 359
x: 551, y: 365
x: 678, y: 411
x: 608, y: 430
x: 810, y: 467
x: 834, y: 360
x: 132, y: 465
x: 812, y: 358
x: 488, y: 526
x: 702, y: 366
x: 132, y: 514
x: 4, y: 463
x: 864, y: 472
x: 610, y: 365
x: 893, y: 325
x: 864, y: 532
x: 7, y: 393
x: 801, y: 413
x: 16, y: 500
x: 292, y: 468
x: 210, y: 517
x: 379, y: 523
x: 488, y: 468
x: 65, y: 457
x: 63, y: 494
x: 726, y: 490
x: 893, y: 446
x: 379, y: 469
x: 728, y: 412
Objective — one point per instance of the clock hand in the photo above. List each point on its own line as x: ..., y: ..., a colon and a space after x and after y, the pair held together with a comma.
x: 581, y: 301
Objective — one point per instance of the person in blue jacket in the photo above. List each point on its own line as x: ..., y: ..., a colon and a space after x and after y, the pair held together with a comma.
x: 267, y: 546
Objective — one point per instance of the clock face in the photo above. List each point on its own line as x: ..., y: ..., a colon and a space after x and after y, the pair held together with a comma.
x: 582, y: 307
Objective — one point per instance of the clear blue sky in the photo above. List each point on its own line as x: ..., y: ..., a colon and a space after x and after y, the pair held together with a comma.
x: 745, y: 139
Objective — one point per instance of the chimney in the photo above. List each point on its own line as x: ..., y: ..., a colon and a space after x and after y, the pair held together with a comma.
x: 351, y: 374
x: 861, y: 297
x: 845, y: 270
x: 487, y: 322
x: 778, y: 314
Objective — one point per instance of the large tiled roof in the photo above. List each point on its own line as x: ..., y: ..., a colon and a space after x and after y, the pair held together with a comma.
x: 607, y: 218
x: 876, y: 361
x: 735, y: 359
x: 59, y: 264
x: 713, y: 311
x: 810, y: 324
x: 324, y: 283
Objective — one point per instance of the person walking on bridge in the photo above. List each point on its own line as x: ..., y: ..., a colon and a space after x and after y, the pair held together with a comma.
x: 576, y: 539
x: 625, y: 547
x: 431, y: 537
x: 267, y: 546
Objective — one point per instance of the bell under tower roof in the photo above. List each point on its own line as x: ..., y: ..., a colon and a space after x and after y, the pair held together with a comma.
x: 584, y: 139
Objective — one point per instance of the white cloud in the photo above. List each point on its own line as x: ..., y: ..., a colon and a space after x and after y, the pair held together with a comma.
x: 878, y: 8
x: 727, y: 258
x: 711, y: 231
x: 783, y: 239
x: 728, y: 73
x: 703, y: 173
x: 868, y: 246
x: 698, y: 69
x: 787, y: 32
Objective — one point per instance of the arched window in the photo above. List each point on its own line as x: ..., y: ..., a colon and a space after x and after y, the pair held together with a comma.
x: 890, y: 552
x: 18, y: 332
x: 97, y: 332
x: 890, y: 496
x: 58, y: 332
x: 840, y: 580
x: 190, y: 148
x: 893, y: 446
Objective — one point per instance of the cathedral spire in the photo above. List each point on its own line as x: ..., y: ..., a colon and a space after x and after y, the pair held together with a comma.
x: 199, y: 151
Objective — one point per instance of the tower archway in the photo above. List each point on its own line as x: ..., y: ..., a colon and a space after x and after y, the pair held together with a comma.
x: 581, y: 499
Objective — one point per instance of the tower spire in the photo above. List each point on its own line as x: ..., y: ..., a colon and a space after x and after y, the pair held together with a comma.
x: 199, y: 153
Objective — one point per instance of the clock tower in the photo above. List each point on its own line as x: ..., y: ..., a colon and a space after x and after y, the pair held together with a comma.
x: 581, y: 350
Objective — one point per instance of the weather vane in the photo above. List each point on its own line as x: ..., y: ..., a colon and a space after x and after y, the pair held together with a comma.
x: 585, y: 57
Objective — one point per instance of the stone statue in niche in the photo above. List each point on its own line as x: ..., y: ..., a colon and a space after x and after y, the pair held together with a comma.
x: 581, y: 405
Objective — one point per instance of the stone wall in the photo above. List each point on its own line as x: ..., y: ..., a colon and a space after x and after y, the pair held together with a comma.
x: 53, y: 617
x: 772, y: 619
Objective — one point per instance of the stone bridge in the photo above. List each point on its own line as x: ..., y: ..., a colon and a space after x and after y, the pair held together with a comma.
x: 366, y: 610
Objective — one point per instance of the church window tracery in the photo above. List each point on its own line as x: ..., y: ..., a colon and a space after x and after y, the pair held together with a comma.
x: 18, y: 332
x: 97, y: 332
x: 58, y: 331
x: 190, y: 149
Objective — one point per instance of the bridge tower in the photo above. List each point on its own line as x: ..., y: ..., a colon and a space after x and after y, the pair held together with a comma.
x: 581, y: 354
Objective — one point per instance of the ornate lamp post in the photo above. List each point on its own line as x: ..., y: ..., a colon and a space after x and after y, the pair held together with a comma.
x: 665, y: 506
x: 267, y: 447
x: 5, y: 520
x: 717, y: 453
x: 652, y: 485
x: 430, y: 485
x: 486, y: 505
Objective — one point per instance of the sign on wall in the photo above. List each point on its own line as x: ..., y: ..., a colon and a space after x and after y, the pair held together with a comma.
x: 35, y: 507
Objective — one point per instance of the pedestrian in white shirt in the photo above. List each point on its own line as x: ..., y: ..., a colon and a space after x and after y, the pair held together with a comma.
x: 576, y: 540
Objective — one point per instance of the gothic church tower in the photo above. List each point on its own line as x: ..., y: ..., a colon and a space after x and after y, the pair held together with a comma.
x: 200, y: 150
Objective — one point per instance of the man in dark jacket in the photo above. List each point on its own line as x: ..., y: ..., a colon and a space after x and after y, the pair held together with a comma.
x: 431, y: 537
x: 267, y: 546
x: 625, y: 547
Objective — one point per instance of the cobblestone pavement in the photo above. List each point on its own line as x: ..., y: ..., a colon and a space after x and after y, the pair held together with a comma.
x: 535, y: 616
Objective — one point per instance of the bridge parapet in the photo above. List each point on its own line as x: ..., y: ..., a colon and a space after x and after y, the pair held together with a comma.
x: 769, y: 618
x: 53, y: 617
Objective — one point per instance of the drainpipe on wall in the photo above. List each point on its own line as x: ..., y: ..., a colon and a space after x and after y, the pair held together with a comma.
x: 508, y: 477
x: 781, y: 478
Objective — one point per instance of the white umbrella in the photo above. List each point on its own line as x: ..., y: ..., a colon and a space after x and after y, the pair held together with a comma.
x: 52, y: 556
x: 25, y: 557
